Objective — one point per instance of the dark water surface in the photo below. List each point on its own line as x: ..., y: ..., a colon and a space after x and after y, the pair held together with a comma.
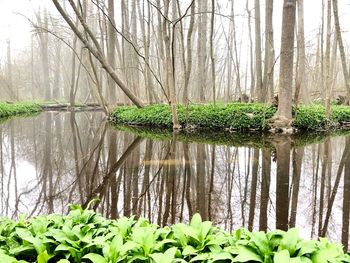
x: 51, y: 160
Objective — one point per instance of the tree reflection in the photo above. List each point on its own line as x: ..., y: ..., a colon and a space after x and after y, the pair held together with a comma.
x: 76, y: 157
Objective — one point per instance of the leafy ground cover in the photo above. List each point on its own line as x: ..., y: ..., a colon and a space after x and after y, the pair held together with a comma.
x: 85, y: 236
x: 232, y: 116
x: 12, y: 109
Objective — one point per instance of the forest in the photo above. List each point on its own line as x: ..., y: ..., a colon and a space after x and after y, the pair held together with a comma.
x: 174, y: 131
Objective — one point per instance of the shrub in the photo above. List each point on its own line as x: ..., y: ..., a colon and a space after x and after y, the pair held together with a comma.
x: 84, y: 236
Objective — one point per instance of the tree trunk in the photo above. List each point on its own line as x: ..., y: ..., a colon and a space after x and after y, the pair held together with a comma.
x: 341, y: 49
x: 258, y: 60
x: 169, y: 58
x: 286, y: 64
x: 111, y: 51
x: 96, y: 51
x: 300, y: 87
x: 268, y: 86
x: 328, y: 61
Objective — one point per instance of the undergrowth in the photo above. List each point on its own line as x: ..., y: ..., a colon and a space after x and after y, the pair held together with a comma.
x: 85, y: 236
x: 232, y: 116
x: 12, y: 109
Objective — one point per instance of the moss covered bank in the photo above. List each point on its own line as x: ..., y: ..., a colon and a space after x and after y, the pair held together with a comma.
x: 18, y: 108
x: 232, y: 116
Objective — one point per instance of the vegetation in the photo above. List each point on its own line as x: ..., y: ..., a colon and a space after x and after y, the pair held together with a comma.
x: 236, y: 139
x: 11, y: 109
x: 232, y: 116
x: 84, y: 236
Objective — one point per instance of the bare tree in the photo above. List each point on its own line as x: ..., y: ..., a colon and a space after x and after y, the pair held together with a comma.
x: 341, y: 48
x: 284, y: 112
x: 95, y: 49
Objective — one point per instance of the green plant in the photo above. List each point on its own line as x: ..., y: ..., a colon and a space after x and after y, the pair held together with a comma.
x: 85, y: 236
x: 231, y: 116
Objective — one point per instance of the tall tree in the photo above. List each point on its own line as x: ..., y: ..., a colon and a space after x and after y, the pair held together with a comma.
x: 300, y: 87
x: 341, y: 49
x: 258, y: 60
x: 268, y: 87
x: 111, y: 51
x: 284, y: 112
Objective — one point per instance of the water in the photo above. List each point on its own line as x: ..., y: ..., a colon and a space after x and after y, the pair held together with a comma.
x: 51, y: 160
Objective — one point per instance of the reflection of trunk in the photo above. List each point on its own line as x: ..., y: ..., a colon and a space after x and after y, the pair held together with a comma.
x: 342, y: 163
x: 75, y: 148
x: 253, y: 189
x: 315, y: 166
x: 297, y: 162
x: 211, y: 185
x: 201, y: 182
x: 188, y: 177
x: 323, y: 182
x: 282, y: 183
x: 170, y: 197
x: 112, y: 158
x: 13, y: 170
x: 265, y: 188
x: 146, y: 199
x: 346, y: 202
x: 135, y: 181
x: 101, y: 187
x: 47, y: 169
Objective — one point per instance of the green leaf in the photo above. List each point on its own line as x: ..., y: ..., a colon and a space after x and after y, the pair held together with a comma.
x: 43, y: 257
x: 5, y: 258
x: 246, y: 254
x: 196, y: 221
x: 290, y: 240
x: 281, y: 256
x: 261, y: 241
x: 95, y: 258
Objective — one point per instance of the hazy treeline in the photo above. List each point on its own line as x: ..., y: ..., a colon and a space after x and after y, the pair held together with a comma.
x: 194, y: 50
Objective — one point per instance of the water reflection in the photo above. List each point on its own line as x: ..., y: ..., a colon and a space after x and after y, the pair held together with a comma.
x: 54, y: 159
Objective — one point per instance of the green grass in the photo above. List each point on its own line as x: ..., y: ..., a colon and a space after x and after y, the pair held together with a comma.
x: 18, y: 108
x: 84, y: 236
x: 232, y: 116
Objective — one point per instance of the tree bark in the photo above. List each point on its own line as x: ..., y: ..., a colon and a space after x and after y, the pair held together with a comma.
x: 286, y: 64
x: 258, y: 60
x: 341, y: 49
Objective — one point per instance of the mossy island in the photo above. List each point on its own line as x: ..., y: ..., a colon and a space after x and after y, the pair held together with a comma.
x: 232, y: 117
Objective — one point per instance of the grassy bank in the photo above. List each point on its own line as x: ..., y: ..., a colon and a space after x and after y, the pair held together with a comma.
x: 84, y: 236
x: 18, y: 108
x: 232, y: 116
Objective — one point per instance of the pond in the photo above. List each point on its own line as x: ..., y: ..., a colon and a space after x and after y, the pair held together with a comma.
x: 54, y: 159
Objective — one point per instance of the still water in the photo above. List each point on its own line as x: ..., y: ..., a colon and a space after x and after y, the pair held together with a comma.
x: 53, y: 159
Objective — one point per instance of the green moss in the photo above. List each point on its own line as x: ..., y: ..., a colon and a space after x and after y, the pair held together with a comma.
x: 18, y: 108
x: 233, y: 116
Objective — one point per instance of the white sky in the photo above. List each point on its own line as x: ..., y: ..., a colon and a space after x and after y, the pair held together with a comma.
x: 17, y: 29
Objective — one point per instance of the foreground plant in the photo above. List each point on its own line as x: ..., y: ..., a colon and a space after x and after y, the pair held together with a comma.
x: 85, y: 236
